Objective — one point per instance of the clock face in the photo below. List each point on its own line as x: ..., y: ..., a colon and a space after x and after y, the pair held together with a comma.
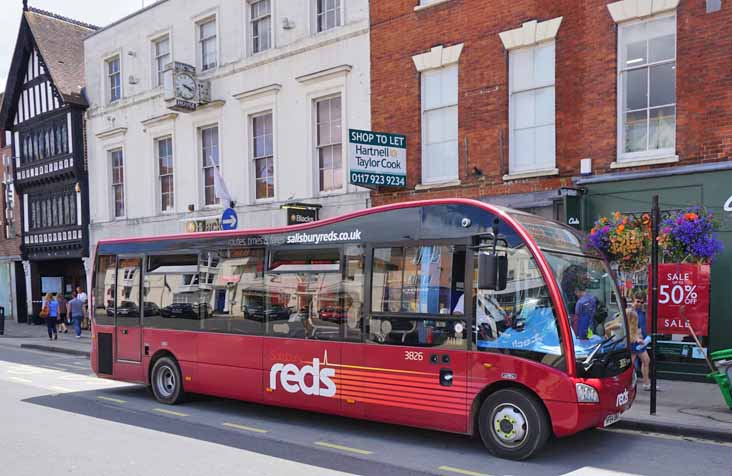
x: 185, y: 86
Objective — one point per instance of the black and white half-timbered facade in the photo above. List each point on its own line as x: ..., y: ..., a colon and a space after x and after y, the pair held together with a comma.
x: 44, y: 109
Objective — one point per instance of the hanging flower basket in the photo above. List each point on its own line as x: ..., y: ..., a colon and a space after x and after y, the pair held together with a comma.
x: 623, y: 240
x: 687, y: 236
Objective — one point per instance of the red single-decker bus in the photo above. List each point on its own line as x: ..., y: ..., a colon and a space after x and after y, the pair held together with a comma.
x: 449, y: 314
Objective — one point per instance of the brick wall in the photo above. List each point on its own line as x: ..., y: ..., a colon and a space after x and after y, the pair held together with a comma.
x: 586, y: 101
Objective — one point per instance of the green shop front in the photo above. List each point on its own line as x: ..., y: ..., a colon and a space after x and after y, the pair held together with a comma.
x: 704, y: 185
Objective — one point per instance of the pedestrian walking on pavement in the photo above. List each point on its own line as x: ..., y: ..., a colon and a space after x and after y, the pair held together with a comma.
x: 83, y: 297
x: 62, y: 315
x: 77, y: 312
x: 50, y: 309
x: 640, y: 350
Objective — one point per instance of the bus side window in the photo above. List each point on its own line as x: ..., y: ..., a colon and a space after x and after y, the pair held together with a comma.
x: 171, y: 291
x: 352, y: 296
x: 425, y: 280
x: 305, y: 294
x: 104, y: 282
x: 235, y: 291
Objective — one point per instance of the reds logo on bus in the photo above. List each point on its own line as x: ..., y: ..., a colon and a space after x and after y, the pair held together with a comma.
x: 293, y: 379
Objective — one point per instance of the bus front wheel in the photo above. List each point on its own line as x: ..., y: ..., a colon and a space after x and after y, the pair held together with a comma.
x: 513, y: 424
x: 165, y: 381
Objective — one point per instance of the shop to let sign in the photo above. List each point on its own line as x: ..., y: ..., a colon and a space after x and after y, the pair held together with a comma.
x: 377, y: 159
x: 683, y: 298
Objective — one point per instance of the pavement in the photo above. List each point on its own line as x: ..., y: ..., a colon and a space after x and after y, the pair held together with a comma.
x: 36, y: 337
x: 682, y: 408
x: 689, y: 409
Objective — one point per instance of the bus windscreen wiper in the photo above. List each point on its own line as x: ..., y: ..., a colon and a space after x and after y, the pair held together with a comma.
x: 590, y: 360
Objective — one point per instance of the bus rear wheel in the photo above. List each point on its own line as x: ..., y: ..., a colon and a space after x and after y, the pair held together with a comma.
x: 513, y: 424
x: 165, y: 381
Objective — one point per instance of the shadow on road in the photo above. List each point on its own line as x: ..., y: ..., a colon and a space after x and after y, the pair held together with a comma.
x: 589, y: 448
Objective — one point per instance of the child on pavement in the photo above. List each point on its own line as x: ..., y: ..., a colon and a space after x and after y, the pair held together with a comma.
x: 639, y: 349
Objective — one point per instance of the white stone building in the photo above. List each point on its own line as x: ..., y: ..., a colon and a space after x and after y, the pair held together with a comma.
x: 287, y: 78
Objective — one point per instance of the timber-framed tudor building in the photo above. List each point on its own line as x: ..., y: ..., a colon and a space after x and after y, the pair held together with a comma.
x: 44, y: 111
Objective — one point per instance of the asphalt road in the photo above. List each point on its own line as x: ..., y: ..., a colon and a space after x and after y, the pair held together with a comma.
x: 57, y: 418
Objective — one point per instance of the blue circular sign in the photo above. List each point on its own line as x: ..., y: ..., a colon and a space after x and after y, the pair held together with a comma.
x: 229, y: 219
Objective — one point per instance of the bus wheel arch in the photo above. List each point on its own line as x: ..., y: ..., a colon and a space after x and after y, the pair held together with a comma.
x: 515, y: 397
x: 165, y: 378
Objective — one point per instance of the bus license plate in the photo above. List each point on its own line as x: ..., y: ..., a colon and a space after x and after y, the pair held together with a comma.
x: 610, y: 419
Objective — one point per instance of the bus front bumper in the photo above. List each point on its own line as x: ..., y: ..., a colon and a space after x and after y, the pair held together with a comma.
x: 616, y: 397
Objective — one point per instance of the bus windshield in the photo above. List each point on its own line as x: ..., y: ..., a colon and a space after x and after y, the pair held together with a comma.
x: 588, y: 290
x: 592, y: 302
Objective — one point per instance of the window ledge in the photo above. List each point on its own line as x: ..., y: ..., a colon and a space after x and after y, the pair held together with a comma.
x: 215, y: 104
x: 264, y: 201
x: 531, y: 174
x: 429, y: 186
x: 332, y: 193
x: 419, y: 8
x: 643, y: 162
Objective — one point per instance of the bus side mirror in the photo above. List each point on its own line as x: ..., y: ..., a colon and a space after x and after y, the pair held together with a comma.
x: 492, y: 271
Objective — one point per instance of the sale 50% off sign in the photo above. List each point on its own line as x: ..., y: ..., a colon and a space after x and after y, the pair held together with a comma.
x: 683, y: 298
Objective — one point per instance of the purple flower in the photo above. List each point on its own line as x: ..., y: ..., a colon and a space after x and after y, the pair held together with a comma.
x: 691, y: 238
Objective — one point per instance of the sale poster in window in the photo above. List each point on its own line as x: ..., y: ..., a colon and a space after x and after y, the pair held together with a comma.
x: 683, y: 298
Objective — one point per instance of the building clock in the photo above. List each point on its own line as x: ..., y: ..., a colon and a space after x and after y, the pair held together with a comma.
x: 185, y: 86
x: 183, y: 91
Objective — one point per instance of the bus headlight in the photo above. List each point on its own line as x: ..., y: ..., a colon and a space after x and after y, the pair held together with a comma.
x: 586, y: 393
x: 635, y: 378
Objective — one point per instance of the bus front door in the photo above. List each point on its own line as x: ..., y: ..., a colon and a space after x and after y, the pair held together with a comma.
x: 128, y: 309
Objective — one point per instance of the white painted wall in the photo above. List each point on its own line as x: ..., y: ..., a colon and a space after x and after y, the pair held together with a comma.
x: 297, y: 52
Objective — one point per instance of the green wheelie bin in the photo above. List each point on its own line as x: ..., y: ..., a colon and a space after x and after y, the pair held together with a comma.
x: 723, y: 376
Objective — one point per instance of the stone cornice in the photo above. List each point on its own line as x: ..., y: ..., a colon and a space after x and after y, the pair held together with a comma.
x: 626, y: 10
x: 158, y: 119
x: 531, y: 33
x: 252, y: 93
x: 325, y: 74
x: 109, y: 133
x: 438, y: 57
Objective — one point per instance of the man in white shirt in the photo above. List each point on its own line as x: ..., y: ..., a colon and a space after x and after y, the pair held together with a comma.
x: 487, y: 312
x: 81, y: 294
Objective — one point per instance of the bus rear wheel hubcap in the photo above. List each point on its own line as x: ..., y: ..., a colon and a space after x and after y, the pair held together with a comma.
x: 166, y: 381
x: 509, y: 425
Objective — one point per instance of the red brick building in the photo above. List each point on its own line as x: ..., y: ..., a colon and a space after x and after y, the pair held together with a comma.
x: 11, y: 269
x: 570, y: 109
x: 573, y: 47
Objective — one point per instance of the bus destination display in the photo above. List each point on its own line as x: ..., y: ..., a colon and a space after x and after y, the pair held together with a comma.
x: 377, y: 159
